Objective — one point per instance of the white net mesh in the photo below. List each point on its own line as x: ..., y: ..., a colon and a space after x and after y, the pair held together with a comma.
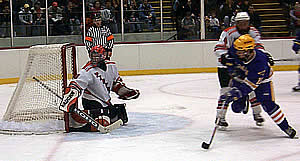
x: 32, y: 103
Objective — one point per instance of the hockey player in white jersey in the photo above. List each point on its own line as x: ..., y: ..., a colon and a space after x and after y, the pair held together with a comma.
x: 94, y: 83
x: 296, y: 48
x: 228, y: 36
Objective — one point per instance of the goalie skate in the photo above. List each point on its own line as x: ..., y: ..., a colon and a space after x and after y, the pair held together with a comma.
x: 258, y: 119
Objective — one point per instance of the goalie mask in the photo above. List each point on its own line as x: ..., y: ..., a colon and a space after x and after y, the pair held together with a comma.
x: 244, y: 45
x: 98, y: 56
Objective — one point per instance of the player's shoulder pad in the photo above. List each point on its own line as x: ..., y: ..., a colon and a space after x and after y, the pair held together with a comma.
x: 230, y: 28
x: 110, y: 63
x: 87, y: 66
x: 261, y: 56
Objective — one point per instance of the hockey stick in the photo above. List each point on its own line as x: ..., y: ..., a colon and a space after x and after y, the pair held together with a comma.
x: 207, y: 145
x: 85, y: 116
x: 290, y: 59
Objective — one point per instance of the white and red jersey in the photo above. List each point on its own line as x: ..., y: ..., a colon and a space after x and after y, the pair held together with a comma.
x: 229, y: 35
x: 95, y: 83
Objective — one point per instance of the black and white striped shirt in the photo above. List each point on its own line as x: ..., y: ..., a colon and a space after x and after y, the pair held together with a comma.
x: 99, y: 36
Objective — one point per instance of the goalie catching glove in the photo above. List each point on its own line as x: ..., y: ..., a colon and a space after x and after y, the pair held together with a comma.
x: 69, y: 100
x: 124, y: 92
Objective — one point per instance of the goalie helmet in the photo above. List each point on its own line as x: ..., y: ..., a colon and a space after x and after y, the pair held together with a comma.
x: 244, y: 46
x: 97, y: 55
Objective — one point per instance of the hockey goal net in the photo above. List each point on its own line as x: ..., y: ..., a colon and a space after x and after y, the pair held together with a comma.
x: 33, y: 107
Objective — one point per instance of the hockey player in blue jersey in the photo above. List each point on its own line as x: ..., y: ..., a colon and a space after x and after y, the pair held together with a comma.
x: 296, y: 48
x: 251, y: 71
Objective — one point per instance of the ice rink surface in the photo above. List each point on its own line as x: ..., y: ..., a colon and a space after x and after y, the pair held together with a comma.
x: 169, y: 122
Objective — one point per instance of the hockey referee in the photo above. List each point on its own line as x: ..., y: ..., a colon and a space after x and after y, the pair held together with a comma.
x: 99, y: 34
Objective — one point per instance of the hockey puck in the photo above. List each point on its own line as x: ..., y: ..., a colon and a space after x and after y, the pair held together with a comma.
x: 205, y: 145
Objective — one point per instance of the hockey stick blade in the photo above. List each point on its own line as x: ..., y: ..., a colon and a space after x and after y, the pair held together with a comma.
x: 97, y: 125
x: 289, y: 59
x: 114, y: 125
x: 205, y: 145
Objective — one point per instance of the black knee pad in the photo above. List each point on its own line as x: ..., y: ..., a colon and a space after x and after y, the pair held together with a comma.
x: 239, y: 105
x: 121, y: 111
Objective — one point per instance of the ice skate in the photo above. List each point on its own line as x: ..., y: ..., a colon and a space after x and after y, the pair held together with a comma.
x: 258, y: 119
x: 290, y: 132
x: 296, y: 89
x: 222, y: 124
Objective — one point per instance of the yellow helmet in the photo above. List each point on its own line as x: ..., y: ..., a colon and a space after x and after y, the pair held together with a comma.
x: 26, y: 5
x: 244, y: 42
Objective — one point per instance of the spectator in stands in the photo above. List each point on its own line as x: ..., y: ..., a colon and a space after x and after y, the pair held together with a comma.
x: 188, y: 27
x: 38, y: 20
x: 179, y: 13
x: 245, y: 6
x: 108, y: 18
x: 191, y: 7
x: 295, y: 18
x: 117, y: 13
x: 226, y: 12
x: 56, y: 19
x: 288, y: 4
x: 26, y: 20
x: 147, y: 14
x: 73, y: 15
x: 3, y: 3
x: 214, y: 25
x: 131, y: 17
x: 96, y: 9
x: 254, y: 18
x: 5, y: 22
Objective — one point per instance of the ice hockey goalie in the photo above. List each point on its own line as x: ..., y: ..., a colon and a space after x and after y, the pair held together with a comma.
x: 93, y: 84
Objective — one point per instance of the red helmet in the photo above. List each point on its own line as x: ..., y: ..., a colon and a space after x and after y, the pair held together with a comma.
x: 97, y: 54
x: 99, y: 49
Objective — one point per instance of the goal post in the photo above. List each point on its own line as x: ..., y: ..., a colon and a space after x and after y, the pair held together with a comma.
x: 33, y: 108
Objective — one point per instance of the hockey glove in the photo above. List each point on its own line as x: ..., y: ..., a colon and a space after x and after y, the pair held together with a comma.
x: 128, y: 94
x: 227, y: 60
x: 237, y: 73
x: 232, y: 95
x: 124, y: 92
x: 296, y: 46
x: 69, y: 100
x: 270, y: 57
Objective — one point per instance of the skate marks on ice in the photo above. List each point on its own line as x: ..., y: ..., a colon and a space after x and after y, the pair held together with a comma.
x: 139, y: 124
x: 195, y: 90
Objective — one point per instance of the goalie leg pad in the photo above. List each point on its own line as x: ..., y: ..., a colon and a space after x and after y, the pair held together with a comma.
x: 122, y: 114
x: 115, y: 112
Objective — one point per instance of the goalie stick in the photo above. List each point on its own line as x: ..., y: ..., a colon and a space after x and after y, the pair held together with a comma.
x: 86, y: 117
x: 207, y: 145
